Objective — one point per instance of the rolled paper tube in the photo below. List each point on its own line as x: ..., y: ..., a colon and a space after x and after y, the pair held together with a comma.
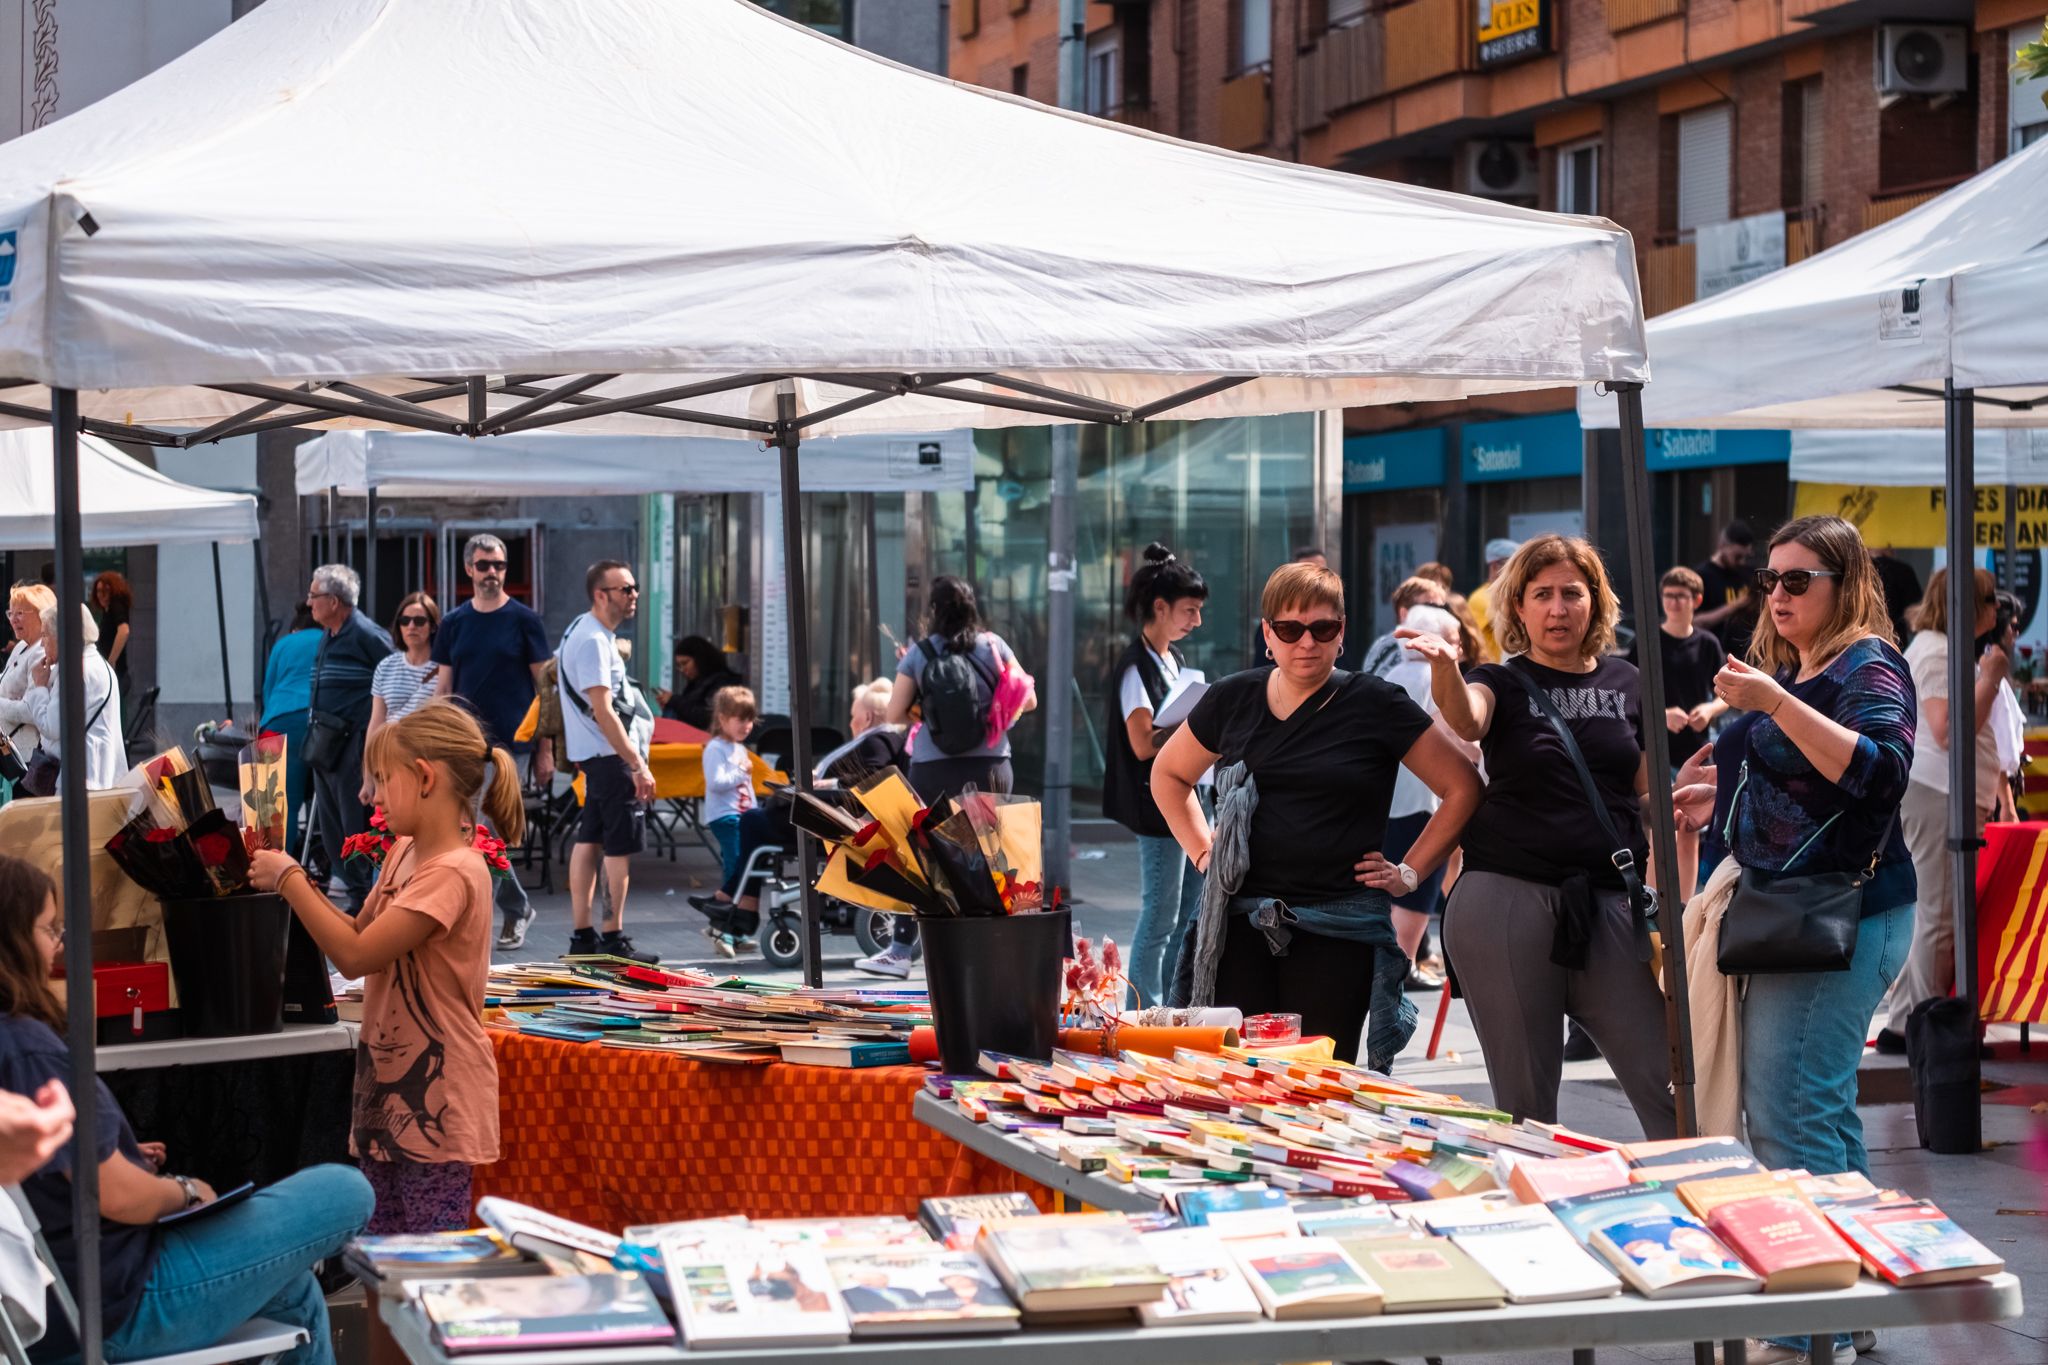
x: 924, y: 1044
x: 1154, y: 1042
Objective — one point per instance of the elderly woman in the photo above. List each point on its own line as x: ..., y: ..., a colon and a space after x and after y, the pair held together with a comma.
x: 106, y: 757
x: 25, y: 605
x: 1809, y: 778
x: 1295, y: 914
x: 1540, y: 928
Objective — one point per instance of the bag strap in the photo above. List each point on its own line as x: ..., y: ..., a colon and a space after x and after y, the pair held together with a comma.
x: 1623, y: 857
x: 924, y: 646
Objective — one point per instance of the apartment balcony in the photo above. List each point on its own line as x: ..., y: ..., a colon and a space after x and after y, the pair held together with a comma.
x: 1623, y: 15
x: 1245, y: 111
x: 1347, y: 66
x: 1427, y: 40
x: 1880, y: 211
x: 1134, y: 113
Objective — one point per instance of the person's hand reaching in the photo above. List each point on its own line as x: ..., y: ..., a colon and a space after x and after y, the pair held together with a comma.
x: 31, y: 1130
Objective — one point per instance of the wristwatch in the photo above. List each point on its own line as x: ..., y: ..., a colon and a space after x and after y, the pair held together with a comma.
x: 1410, y: 878
x: 191, y: 1191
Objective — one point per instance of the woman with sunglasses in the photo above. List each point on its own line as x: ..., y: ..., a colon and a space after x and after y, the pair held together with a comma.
x: 1295, y: 913
x: 1808, y: 778
x: 404, y: 682
x: 1923, y: 815
x: 1539, y: 927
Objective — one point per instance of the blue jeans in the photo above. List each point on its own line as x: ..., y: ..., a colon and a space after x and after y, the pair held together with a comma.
x: 1802, y: 1038
x: 727, y: 832
x: 253, y: 1260
x: 1169, y: 889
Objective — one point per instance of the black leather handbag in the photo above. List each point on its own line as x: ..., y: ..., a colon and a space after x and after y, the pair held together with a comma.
x: 1783, y: 922
x: 327, y: 734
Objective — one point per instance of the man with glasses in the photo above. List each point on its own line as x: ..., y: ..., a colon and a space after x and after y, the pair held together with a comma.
x: 342, y: 673
x: 491, y: 650
x: 617, y: 781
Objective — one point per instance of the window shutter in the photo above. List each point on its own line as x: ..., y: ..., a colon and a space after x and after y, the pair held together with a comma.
x: 1705, y: 169
x: 1812, y: 142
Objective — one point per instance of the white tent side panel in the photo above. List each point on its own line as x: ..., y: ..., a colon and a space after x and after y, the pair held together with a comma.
x: 2001, y: 327
x: 121, y: 502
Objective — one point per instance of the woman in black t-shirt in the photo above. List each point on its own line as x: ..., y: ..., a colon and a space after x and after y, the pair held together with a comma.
x: 1539, y: 928
x: 1295, y: 913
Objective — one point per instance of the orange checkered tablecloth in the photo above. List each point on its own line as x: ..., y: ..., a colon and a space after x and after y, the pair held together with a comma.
x: 614, y: 1137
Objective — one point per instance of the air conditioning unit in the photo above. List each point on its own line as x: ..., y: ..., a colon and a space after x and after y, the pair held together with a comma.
x: 1496, y: 169
x: 1922, y: 59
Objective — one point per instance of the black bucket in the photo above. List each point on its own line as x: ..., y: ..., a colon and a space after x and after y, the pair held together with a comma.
x: 227, y: 955
x: 995, y: 984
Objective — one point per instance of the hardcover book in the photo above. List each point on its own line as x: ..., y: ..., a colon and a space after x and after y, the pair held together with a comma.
x: 955, y: 1218
x: 1075, y: 1261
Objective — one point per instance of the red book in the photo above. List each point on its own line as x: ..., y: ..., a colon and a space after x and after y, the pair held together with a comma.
x: 1786, y: 1241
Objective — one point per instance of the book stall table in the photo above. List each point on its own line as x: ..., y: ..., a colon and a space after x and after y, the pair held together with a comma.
x: 293, y: 1040
x: 1013, y: 1153
x: 1580, y: 1326
x: 614, y: 1137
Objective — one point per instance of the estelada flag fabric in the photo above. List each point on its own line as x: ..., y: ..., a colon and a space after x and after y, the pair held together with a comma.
x: 2012, y: 923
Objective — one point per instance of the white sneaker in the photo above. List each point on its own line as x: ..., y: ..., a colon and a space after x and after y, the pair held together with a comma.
x: 723, y: 943
x: 514, y: 933
x: 888, y: 962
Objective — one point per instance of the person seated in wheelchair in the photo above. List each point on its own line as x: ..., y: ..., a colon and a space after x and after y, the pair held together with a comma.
x: 735, y: 909
x: 171, y: 1289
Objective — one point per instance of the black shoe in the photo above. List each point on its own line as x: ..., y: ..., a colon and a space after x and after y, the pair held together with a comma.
x: 1579, y: 1045
x: 1422, y: 980
x: 582, y: 942
x: 1891, y: 1043
x: 712, y: 906
x: 616, y: 944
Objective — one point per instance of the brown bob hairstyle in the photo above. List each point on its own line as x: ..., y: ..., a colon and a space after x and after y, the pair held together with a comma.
x: 1300, y: 586
x: 1533, y: 558
x: 1859, y: 596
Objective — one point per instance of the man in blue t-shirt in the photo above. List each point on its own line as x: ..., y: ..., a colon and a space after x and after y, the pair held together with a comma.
x: 491, y: 650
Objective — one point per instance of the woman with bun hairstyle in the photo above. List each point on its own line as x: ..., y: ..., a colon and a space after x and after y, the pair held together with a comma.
x: 425, y: 1107
x: 1164, y: 600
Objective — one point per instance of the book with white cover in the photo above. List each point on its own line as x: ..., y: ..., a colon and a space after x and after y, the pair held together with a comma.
x: 1534, y: 1260
x: 771, y: 1297
x: 1207, y: 1286
x: 1306, y: 1277
x: 1187, y: 689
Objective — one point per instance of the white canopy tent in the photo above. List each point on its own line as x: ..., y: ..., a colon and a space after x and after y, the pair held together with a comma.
x: 1933, y: 320
x: 123, y: 503
x: 403, y: 465
x: 1914, y: 458
x: 480, y: 217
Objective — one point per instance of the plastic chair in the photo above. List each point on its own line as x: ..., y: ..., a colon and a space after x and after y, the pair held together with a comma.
x: 256, y: 1339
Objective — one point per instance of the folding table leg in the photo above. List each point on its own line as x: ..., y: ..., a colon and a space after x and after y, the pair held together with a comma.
x: 1735, y: 1351
x: 1822, y: 1350
x: 1703, y: 1353
x: 1582, y: 1355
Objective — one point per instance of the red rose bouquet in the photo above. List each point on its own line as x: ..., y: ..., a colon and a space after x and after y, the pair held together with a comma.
x: 374, y: 843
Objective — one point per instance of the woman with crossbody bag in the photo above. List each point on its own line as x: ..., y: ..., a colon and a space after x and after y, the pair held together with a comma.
x: 105, y: 758
x: 1548, y: 921
x: 1295, y: 913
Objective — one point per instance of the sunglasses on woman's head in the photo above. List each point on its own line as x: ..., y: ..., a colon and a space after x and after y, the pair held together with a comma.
x: 1323, y: 631
x: 1796, y: 581
x: 404, y: 621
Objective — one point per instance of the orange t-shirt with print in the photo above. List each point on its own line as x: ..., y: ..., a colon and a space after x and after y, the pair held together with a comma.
x: 426, y: 1086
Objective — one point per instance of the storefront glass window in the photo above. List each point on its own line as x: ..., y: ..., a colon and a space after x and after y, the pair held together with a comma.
x: 1233, y: 497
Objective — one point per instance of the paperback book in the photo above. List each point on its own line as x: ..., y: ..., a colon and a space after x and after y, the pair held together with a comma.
x: 910, y: 1292
x: 739, y: 1297
x: 1916, y: 1243
x: 1418, y: 1273
x: 536, y: 1312
x: 1206, y: 1286
x: 1071, y: 1262
x: 1306, y: 1277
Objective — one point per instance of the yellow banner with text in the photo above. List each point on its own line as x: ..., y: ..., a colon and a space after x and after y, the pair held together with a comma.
x: 1916, y: 518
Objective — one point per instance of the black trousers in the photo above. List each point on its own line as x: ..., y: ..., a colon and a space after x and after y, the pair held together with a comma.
x: 1327, y: 981
x: 337, y: 796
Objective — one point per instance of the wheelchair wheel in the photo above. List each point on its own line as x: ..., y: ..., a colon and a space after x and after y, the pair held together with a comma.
x: 782, y: 942
x: 874, y: 930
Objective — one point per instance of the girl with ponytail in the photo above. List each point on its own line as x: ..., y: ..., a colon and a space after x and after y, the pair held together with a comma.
x: 425, y: 1106
x: 1164, y: 601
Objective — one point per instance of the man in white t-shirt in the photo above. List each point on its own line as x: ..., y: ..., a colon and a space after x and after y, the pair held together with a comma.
x: 616, y: 779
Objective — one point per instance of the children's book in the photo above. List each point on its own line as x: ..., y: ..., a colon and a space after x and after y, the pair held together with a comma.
x: 1916, y: 1243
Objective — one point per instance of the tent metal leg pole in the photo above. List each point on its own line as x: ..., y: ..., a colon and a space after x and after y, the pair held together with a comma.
x: 1657, y: 810
x: 77, y: 876
x: 1961, y: 426
x: 797, y: 605
x: 220, y: 619
x: 262, y: 616
x: 1059, y: 661
x: 2009, y: 579
x: 370, y: 552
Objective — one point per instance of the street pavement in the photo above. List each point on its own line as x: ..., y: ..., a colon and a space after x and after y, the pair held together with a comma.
x: 2000, y: 1195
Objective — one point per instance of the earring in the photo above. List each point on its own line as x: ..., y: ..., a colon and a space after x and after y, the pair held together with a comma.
x: 1269, y: 651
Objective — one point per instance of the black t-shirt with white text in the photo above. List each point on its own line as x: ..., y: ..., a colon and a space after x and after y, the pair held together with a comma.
x: 1689, y: 668
x: 1324, y: 792
x: 1533, y: 822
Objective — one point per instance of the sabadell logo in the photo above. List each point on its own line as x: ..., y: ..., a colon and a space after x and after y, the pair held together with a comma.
x: 1686, y: 445
x: 1497, y: 459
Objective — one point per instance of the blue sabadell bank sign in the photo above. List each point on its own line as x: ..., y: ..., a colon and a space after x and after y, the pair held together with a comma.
x: 1547, y: 447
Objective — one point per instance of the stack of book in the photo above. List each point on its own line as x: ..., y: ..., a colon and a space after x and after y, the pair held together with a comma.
x: 617, y: 1003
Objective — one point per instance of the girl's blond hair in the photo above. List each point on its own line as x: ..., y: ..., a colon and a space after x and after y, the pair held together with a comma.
x: 485, y: 779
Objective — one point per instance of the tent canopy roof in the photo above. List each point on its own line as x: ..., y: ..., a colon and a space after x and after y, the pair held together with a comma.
x: 417, y: 464
x: 121, y: 502
x: 379, y: 191
x: 1952, y: 288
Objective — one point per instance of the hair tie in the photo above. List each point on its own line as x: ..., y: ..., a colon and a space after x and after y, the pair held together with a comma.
x: 1169, y: 558
x: 490, y: 755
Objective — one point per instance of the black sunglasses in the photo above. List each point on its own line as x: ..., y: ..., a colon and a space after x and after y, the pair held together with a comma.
x: 1796, y: 581
x: 1323, y: 631
x: 487, y: 565
x: 405, y: 621
x: 630, y: 587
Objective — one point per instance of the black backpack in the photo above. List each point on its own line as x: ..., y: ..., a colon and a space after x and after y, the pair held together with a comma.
x: 955, y: 711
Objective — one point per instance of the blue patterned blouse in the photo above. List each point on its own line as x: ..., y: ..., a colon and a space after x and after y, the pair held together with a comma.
x: 1778, y: 814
